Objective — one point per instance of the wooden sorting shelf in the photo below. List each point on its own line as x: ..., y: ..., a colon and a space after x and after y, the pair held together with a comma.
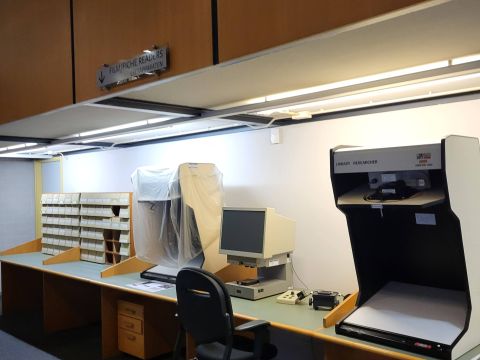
x: 105, y: 227
x: 98, y: 223
x: 60, y: 222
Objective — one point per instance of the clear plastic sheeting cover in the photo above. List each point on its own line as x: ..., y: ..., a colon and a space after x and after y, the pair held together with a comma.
x: 176, y: 212
x: 152, y: 184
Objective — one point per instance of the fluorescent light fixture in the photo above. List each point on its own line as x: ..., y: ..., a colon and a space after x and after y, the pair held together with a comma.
x: 392, y: 94
x: 137, y: 133
x: 357, y: 81
x: 25, y: 156
x: 257, y: 100
x: 114, y: 128
x: 252, y: 101
x: 65, y: 148
x: 69, y: 136
x: 119, y: 136
x: 42, y: 149
x: 160, y: 119
x: 166, y: 131
x: 466, y: 59
x: 13, y: 147
x: 19, y: 146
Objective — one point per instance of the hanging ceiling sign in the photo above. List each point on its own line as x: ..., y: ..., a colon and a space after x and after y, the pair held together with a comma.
x: 150, y: 62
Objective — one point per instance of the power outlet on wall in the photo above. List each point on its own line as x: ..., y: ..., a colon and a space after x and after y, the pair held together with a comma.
x: 275, y: 136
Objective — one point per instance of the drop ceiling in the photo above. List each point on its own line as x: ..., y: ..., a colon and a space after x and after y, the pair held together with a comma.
x: 433, y: 31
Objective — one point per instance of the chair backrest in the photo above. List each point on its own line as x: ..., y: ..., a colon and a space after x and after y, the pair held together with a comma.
x: 204, y: 307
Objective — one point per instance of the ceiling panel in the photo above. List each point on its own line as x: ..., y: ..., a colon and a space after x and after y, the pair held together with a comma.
x: 449, y: 29
x: 71, y: 121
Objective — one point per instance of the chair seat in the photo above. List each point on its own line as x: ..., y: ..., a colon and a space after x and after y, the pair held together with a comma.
x: 214, y: 351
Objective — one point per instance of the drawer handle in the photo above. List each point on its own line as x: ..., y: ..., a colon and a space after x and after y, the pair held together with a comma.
x: 131, y: 311
x: 129, y: 325
x: 131, y: 337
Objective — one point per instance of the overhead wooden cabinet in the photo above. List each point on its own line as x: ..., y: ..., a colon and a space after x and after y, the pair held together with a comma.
x: 108, y: 31
x: 249, y: 26
x: 36, y: 67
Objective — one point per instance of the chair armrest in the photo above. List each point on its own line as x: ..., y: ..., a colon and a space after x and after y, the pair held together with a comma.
x: 261, y: 338
x: 252, y: 325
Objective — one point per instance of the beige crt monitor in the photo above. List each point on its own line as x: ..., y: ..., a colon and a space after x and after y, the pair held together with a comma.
x: 255, y: 233
x: 258, y: 238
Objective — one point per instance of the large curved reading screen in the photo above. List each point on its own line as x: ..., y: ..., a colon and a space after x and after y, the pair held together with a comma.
x: 243, y: 230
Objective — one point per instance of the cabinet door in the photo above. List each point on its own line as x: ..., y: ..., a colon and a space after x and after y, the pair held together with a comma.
x: 248, y: 26
x: 36, y: 67
x: 107, y: 31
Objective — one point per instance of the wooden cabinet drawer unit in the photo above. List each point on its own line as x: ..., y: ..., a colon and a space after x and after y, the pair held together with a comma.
x: 130, y: 328
x: 130, y: 309
x: 131, y: 343
x: 131, y: 324
x: 145, y: 328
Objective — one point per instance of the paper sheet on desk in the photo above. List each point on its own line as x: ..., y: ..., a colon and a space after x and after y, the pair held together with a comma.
x: 151, y: 286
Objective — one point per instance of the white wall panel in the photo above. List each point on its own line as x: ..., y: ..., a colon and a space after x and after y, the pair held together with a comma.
x: 292, y: 177
x: 17, y: 196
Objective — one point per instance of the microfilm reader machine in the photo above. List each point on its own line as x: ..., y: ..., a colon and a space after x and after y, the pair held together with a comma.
x: 262, y: 239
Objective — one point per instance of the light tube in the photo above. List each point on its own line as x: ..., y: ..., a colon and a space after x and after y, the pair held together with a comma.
x: 114, y: 128
x: 13, y: 147
x: 369, y: 96
x: 360, y: 80
x: 466, y: 59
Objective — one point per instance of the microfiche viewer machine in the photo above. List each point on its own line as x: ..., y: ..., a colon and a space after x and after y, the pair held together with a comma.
x: 412, y: 216
x: 262, y: 239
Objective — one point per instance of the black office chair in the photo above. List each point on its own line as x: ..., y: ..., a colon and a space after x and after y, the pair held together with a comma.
x: 205, y: 312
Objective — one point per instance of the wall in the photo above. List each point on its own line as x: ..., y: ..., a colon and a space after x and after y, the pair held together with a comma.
x: 17, y: 213
x: 292, y: 177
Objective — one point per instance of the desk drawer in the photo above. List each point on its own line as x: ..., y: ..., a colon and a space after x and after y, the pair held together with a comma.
x: 131, y: 343
x: 131, y: 324
x: 130, y: 309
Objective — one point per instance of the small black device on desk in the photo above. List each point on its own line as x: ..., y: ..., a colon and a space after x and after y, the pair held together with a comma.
x: 324, y: 300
